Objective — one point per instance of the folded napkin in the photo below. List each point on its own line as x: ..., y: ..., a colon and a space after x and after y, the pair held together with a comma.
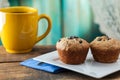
x: 41, y: 66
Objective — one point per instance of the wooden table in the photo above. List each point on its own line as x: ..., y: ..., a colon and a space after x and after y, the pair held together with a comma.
x: 10, y: 69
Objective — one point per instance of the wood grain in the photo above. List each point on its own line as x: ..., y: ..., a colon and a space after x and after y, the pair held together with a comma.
x: 37, y: 50
x: 13, y: 71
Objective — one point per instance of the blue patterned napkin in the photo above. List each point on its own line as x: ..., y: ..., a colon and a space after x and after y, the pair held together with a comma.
x: 41, y: 66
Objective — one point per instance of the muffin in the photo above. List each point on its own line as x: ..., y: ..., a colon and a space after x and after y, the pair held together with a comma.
x: 72, y: 50
x: 105, y: 49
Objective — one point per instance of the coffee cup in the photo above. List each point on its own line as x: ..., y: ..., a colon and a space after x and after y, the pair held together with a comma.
x: 19, y: 28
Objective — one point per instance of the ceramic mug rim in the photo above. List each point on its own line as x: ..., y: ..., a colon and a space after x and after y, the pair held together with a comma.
x: 18, y: 10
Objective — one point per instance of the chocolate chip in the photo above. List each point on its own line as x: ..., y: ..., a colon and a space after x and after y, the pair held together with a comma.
x: 75, y: 37
x: 72, y: 37
x: 59, y: 40
x: 80, y: 41
x: 99, y: 39
x: 109, y: 38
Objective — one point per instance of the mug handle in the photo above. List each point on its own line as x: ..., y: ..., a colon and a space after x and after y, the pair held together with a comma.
x: 48, y: 29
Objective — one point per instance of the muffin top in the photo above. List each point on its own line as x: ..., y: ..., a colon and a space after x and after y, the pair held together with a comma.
x: 105, y: 43
x: 73, y: 43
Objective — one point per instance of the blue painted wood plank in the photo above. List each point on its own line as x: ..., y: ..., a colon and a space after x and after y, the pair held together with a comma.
x: 26, y: 2
x: 78, y: 18
x: 52, y: 9
x: 14, y: 2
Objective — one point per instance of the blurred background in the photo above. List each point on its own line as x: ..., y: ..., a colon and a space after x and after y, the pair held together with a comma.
x: 81, y: 18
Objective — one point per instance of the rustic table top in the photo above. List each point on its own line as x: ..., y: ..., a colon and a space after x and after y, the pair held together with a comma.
x: 10, y: 69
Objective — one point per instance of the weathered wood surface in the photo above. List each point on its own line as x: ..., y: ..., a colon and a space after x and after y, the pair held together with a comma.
x: 13, y: 71
x: 10, y: 69
x: 37, y: 50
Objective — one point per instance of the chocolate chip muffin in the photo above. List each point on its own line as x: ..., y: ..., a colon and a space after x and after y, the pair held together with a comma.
x: 72, y: 50
x: 105, y: 49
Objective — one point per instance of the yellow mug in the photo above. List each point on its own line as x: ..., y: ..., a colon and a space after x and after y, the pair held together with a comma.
x: 19, y: 27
